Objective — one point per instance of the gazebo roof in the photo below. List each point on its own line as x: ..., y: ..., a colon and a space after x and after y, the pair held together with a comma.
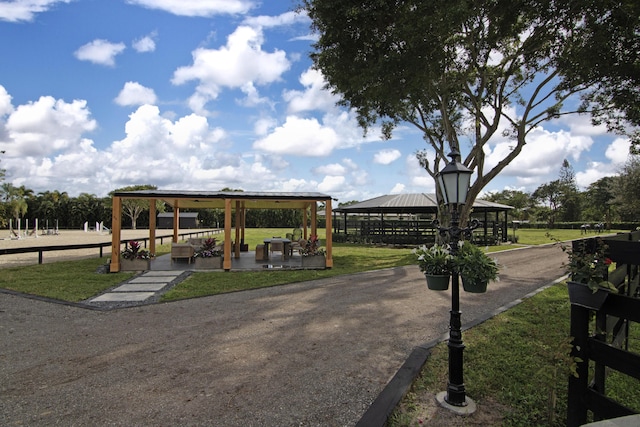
x: 412, y: 203
x: 216, y: 199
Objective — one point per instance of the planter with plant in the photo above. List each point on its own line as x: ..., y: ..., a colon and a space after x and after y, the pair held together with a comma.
x: 135, y: 258
x: 209, y: 255
x: 313, y: 256
x: 475, y: 267
x: 436, y: 262
x: 588, y: 268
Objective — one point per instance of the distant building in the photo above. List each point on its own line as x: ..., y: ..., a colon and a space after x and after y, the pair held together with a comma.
x: 186, y: 220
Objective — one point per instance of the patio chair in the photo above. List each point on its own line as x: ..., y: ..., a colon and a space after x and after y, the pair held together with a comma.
x: 297, y: 246
x: 277, y: 246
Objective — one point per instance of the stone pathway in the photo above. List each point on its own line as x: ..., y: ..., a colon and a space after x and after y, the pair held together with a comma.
x: 143, y: 289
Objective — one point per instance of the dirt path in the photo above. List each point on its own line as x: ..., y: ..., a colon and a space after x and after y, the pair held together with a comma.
x: 313, y: 354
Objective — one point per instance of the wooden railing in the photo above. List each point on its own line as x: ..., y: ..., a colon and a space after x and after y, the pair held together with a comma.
x: 40, y: 250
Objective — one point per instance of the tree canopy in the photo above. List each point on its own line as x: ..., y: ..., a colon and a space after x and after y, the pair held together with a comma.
x: 463, y: 72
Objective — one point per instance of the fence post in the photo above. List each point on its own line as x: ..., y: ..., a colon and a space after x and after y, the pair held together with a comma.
x: 577, y: 400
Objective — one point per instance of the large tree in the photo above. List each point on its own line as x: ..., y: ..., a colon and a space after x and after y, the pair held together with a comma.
x: 133, y: 208
x: 462, y: 70
x: 627, y: 190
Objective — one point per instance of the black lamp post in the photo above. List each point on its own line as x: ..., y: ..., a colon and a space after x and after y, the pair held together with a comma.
x: 454, y: 181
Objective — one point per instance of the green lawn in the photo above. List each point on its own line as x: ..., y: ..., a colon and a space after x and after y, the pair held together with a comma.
x: 533, y: 236
x: 518, y: 364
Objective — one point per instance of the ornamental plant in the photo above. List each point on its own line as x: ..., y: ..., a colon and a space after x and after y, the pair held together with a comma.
x: 589, y: 264
x: 134, y: 250
x: 473, y: 264
x: 208, y: 249
x: 434, y: 260
x: 312, y: 247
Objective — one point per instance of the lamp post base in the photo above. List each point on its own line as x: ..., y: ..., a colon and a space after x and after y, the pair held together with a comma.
x: 468, y: 409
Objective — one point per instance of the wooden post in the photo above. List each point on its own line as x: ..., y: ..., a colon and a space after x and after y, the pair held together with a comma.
x: 305, y: 220
x: 152, y: 226
x: 176, y: 221
x: 116, y: 226
x: 236, y: 246
x: 329, y: 231
x: 227, y: 234
x: 314, y: 219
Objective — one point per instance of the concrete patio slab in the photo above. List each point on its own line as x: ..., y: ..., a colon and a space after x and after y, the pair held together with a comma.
x: 123, y: 296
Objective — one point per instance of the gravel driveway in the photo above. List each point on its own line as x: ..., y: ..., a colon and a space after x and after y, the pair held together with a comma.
x: 314, y: 354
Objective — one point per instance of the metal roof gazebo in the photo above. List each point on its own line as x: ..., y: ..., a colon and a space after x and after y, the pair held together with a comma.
x: 231, y: 201
x: 414, y: 204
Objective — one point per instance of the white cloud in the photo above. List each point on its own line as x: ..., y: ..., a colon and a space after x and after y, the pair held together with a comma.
x: 240, y: 62
x: 542, y: 155
x: 25, y: 10
x: 580, y: 125
x: 617, y: 152
x: 331, y: 184
x: 385, y: 157
x: 301, y: 137
x: 334, y: 169
x: 314, y: 97
x: 133, y: 93
x: 5, y: 102
x: 203, y: 8
x: 101, y: 52
x: 145, y: 44
x: 46, y: 126
x: 264, y: 125
x: 397, y: 189
x: 286, y: 18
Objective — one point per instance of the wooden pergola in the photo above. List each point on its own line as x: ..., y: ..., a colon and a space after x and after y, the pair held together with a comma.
x: 233, y: 202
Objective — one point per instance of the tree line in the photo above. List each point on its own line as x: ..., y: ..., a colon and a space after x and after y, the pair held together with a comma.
x: 611, y: 199
x: 58, y: 209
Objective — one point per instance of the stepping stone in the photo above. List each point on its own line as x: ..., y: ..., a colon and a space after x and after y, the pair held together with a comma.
x: 123, y: 296
x: 172, y: 273
x: 156, y: 279
x: 140, y: 287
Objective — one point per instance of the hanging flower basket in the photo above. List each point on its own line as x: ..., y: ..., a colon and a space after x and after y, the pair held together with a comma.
x: 437, y: 282
x: 474, y: 286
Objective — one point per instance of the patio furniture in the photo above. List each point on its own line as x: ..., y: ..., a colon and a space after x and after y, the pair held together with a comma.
x: 182, y: 250
x: 260, y: 253
x: 277, y: 245
x: 297, y: 246
x: 282, y: 245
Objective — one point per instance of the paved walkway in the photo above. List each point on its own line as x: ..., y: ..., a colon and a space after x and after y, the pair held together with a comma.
x: 145, y: 288
x: 316, y: 353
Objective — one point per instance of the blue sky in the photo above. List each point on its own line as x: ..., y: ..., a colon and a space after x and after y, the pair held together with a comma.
x: 206, y: 94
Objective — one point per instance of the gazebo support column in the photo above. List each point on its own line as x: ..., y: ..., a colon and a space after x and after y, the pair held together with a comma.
x: 116, y: 227
x: 152, y: 226
x: 329, y: 228
x: 227, y: 235
x: 176, y: 221
x: 236, y: 246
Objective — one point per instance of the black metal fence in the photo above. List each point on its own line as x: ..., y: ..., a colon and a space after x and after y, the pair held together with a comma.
x: 608, y: 347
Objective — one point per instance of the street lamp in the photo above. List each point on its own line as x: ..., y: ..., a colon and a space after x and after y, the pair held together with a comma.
x: 454, y: 181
